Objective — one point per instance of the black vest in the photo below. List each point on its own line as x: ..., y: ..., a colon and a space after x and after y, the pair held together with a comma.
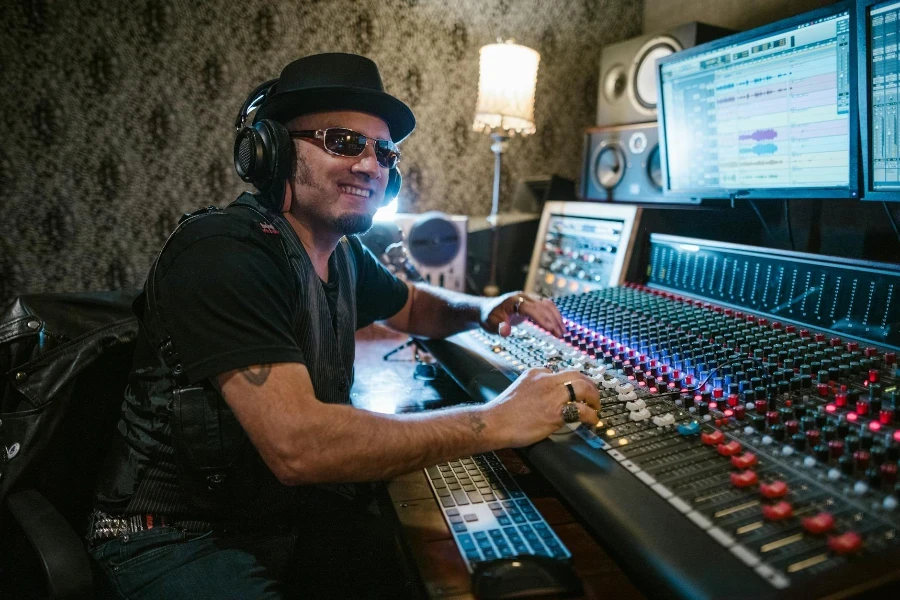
x: 220, y: 476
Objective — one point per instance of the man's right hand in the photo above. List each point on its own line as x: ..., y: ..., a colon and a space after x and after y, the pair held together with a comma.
x: 531, y: 408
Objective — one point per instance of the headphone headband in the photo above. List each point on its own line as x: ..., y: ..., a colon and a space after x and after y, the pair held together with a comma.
x: 257, y: 96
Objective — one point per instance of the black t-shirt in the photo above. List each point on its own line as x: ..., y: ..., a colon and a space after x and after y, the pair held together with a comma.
x: 226, y: 301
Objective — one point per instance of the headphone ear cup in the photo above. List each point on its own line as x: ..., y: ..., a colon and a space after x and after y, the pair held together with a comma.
x: 263, y: 154
x: 393, y: 185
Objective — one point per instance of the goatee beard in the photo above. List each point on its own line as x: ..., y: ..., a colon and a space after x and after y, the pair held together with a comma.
x: 352, y: 224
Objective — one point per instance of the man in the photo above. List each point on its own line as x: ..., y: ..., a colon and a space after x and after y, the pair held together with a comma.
x: 238, y: 408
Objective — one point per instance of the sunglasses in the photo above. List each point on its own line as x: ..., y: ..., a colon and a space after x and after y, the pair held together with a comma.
x: 346, y: 142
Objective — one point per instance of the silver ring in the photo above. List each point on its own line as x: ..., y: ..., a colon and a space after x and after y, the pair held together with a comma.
x: 571, y: 388
x: 570, y: 412
x: 519, y: 301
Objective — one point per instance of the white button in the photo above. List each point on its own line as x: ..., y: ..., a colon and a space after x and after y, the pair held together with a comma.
x: 640, y: 415
x: 787, y: 450
x: 636, y: 405
x: 834, y: 474
x: 598, y: 370
x: 860, y: 488
x: 624, y: 388
x: 610, y: 383
x: 664, y: 420
x: 767, y: 440
x: 890, y: 503
x: 627, y: 397
x: 551, y: 354
x: 809, y: 461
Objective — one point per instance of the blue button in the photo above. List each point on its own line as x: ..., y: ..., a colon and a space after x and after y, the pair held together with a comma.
x: 459, y: 527
x: 504, y: 520
x: 691, y: 428
x: 496, y: 533
x: 480, y: 535
x: 490, y: 554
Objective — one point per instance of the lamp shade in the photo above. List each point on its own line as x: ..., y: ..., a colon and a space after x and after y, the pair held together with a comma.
x: 506, y: 82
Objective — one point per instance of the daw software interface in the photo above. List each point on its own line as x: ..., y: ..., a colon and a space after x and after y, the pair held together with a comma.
x: 884, y: 86
x: 773, y: 111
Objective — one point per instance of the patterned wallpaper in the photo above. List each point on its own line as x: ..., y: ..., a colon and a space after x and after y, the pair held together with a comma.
x: 121, y: 112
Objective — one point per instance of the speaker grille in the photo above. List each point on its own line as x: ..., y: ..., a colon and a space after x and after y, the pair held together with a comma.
x: 245, y: 154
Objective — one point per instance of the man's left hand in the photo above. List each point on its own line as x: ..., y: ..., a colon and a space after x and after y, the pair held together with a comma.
x: 500, y: 314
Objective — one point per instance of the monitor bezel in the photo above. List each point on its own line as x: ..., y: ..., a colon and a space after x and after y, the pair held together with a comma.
x: 851, y: 191
x: 864, y: 94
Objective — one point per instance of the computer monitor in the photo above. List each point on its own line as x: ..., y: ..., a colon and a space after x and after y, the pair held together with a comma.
x: 877, y: 31
x: 766, y: 113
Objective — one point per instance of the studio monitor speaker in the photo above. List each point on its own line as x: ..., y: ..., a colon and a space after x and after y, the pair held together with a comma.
x: 627, y: 91
x: 621, y: 164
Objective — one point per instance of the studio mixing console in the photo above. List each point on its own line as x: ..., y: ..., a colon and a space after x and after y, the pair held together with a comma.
x: 740, y: 453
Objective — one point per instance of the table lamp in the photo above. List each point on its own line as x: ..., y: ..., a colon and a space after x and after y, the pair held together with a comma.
x: 505, y: 108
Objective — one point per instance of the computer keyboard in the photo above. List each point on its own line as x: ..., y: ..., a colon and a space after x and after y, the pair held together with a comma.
x: 489, y: 515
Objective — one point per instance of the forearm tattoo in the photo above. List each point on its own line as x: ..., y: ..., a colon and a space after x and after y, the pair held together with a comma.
x: 257, y: 375
x: 477, y: 424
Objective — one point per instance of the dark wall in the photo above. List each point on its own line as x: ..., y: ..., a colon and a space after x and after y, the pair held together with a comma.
x: 837, y: 227
x: 121, y: 112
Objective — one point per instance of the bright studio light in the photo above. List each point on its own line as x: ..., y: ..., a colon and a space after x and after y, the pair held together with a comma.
x: 506, y: 83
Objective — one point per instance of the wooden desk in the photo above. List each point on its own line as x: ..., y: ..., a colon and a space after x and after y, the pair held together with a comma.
x: 389, y: 387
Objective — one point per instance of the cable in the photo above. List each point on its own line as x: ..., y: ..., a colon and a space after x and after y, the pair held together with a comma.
x: 787, y: 221
x: 891, y: 219
x: 761, y: 220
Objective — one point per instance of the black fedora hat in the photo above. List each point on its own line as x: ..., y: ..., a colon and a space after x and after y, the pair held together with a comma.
x: 335, y: 81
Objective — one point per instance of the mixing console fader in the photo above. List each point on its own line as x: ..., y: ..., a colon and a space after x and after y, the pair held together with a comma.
x: 759, y: 446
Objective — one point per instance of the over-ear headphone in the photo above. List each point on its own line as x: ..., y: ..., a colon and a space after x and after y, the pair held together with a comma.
x: 264, y: 152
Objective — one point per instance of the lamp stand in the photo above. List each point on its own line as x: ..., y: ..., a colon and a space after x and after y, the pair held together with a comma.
x: 498, y: 145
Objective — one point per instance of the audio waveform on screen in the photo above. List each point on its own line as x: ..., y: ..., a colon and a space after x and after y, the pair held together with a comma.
x: 759, y: 135
x: 760, y: 149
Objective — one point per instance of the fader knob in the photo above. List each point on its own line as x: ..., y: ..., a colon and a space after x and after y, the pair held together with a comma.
x: 846, y: 463
x: 852, y: 443
x: 778, y: 432
x: 878, y: 454
x: 866, y: 440
x: 822, y: 452
x: 799, y: 441
x: 758, y: 422
x: 873, y: 475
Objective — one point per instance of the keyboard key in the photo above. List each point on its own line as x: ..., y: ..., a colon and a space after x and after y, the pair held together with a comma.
x: 440, y: 483
x: 508, y: 504
x: 448, y: 501
x: 460, y: 527
x: 454, y: 486
x: 453, y: 512
x: 517, y: 518
x: 480, y: 535
x: 473, y: 555
x: 516, y: 493
x: 488, y: 496
x: 485, y: 544
x: 500, y: 494
x: 495, y: 533
x: 494, y: 505
x: 434, y: 472
x: 505, y: 550
x: 521, y: 548
x: 475, y: 498
x: 456, y: 519
x: 443, y: 493
x: 460, y: 497
x: 471, y: 518
x: 489, y: 554
x: 469, y: 488
x: 503, y: 520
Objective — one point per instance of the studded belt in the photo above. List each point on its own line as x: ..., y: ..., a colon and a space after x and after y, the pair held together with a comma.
x: 106, y: 527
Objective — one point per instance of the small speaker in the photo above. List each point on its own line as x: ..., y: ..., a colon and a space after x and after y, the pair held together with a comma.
x: 627, y: 91
x: 621, y: 164
x: 436, y: 243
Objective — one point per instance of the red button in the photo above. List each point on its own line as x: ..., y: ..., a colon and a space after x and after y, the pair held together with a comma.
x: 777, y: 512
x: 823, y: 389
x: 845, y: 543
x: 792, y: 426
x: 772, y: 417
x: 712, y: 439
x: 886, y: 416
x: 870, y: 352
x: 820, y: 523
x: 790, y: 329
x: 733, y: 400
x: 840, y: 399
x: 852, y: 346
x: 889, y: 473
x: 776, y: 489
x: 890, y: 358
x: 761, y: 406
x: 744, y: 479
x: 835, y: 342
x: 744, y: 461
x: 729, y: 449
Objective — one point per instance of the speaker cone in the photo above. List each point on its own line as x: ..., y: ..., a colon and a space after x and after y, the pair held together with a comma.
x: 643, y: 71
x: 609, y: 165
x: 615, y: 81
x: 654, y: 168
